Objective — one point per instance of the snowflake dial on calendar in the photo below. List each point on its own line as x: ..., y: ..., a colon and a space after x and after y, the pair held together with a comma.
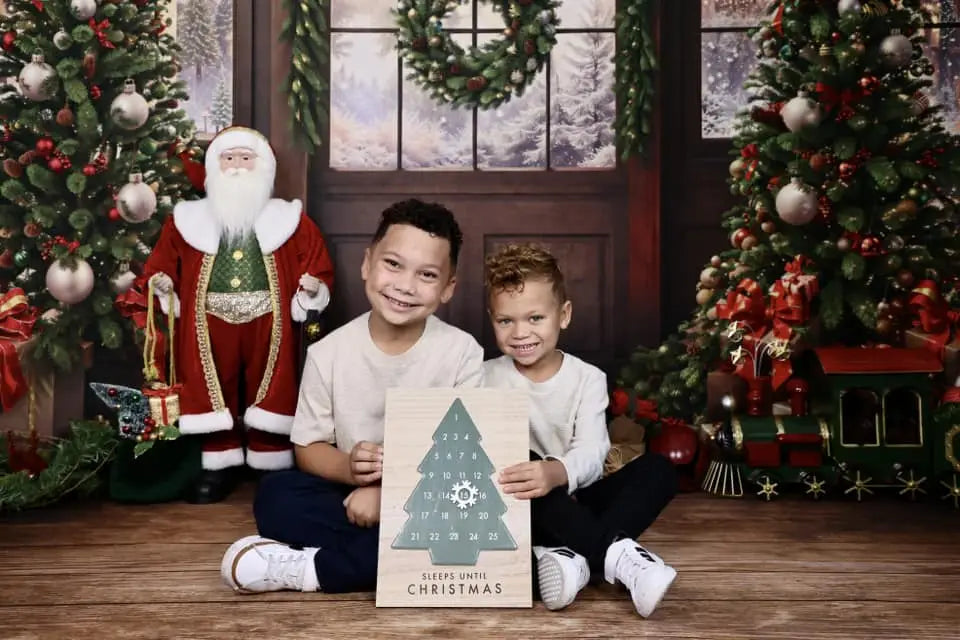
x: 455, y: 510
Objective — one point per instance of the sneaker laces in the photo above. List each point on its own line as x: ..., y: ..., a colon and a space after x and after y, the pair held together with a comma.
x: 286, y: 569
x: 630, y: 569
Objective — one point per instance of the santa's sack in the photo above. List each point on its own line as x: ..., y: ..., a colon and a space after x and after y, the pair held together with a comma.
x: 163, y: 474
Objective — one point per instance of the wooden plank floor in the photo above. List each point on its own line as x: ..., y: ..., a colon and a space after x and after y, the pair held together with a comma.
x: 788, y: 569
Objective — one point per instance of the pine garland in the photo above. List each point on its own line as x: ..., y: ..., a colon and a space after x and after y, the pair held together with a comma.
x: 74, y: 466
x: 636, y: 64
x: 306, y: 30
x: 487, y: 76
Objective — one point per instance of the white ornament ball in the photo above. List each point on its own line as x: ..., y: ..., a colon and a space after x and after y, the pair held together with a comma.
x: 129, y: 110
x: 709, y: 277
x: 122, y: 281
x: 848, y: 6
x: 801, y: 112
x: 83, y: 9
x: 796, y: 203
x: 136, y: 201
x: 70, y: 284
x: 38, y: 80
x: 896, y: 51
x: 62, y: 40
x: 704, y: 296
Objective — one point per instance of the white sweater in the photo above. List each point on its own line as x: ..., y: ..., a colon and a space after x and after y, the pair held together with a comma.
x: 567, y: 414
x: 346, y: 377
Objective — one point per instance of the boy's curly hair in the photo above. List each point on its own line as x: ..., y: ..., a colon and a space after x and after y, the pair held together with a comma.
x: 514, y: 264
x: 431, y: 217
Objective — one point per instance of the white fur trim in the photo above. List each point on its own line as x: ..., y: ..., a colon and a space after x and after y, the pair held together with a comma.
x: 165, y: 304
x: 236, y: 137
x: 270, y: 460
x: 192, y: 423
x: 274, y: 226
x: 303, y: 302
x: 263, y: 420
x: 216, y: 460
x: 276, y: 223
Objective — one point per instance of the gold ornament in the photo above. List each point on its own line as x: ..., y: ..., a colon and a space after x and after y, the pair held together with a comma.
x: 313, y: 331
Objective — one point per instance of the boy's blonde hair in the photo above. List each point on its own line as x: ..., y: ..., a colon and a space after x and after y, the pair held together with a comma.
x: 514, y: 264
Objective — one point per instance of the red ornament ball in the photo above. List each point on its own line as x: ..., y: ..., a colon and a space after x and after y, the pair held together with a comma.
x: 112, y: 392
x: 113, y: 214
x: 9, y: 39
x: 89, y: 170
x: 149, y: 422
x: 45, y: 146
x: 55, y: 165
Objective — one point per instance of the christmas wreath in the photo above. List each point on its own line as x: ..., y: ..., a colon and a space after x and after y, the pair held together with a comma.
x: 35, y: 473
x: 485, y: 76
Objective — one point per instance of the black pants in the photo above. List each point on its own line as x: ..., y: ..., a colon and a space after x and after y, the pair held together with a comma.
x: 304, y: 510
x: 620, y: 505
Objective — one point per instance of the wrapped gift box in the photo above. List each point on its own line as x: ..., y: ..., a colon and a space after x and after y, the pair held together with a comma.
x: 57, y: 399
x: 950, y: 354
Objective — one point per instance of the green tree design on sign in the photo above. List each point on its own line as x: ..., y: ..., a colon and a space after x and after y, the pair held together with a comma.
x: 455, y: 510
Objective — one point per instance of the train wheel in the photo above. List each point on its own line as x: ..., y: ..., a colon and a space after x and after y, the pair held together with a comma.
x: 911, y: 484
x: 767, y: 486
x: 859, y: 483
x: 952, y: 483
x: 815, y: 486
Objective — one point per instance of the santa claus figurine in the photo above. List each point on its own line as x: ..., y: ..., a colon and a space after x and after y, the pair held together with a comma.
x: 243, y: 268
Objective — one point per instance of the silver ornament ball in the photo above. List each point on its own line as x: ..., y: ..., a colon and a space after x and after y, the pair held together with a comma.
x: 83, y: 9
x: 70, y: 284
x: 848, y: 6
x: 38, y: 80
x: 62, y: 40
x: 796, y: 203
x: 895, y: 51
x: 129, y: 110
x: 136, y: 201
x: 801, y: 112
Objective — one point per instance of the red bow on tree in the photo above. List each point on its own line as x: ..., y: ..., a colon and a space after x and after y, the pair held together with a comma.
x: 751, y: 154
x: 844, y: 99
x: 100, y: 30
x: 16, y: 325
x: 932, y: 314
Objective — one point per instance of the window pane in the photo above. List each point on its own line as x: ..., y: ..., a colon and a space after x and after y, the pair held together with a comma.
x: 371, y: 14
x: 363, y: 101
x: 859, y: 410
x: 488, y: 18
x: 942, y: 48
x: 461, y: 17
x: 901, y: 417
x: 204, y: 30
x: 940, y: 10
x: 726, y: 60
x: 583, y: 104
x: 587, y: 14
x: 732, y: 13
x: 514, y: 135
x: 435, y: 136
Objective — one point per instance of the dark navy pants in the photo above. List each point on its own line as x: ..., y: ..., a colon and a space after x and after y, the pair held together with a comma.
x: 620, y: 505
x: 304, y: 510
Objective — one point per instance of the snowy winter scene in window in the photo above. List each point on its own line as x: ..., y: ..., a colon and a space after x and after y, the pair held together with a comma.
x: 380, y: 120
x: 204, y: 30
x: 727, y: 56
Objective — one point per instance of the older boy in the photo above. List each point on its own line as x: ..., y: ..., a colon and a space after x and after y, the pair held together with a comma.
x: 319, y: 524
x: 594, y: 532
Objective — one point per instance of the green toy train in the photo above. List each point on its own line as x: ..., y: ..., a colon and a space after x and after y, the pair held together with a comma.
x: 870, y: 427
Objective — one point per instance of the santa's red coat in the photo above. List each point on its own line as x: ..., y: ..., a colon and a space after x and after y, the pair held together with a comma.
x: 292, y: 245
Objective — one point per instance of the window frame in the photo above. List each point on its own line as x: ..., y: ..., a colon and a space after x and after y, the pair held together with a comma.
x: 323, y: 158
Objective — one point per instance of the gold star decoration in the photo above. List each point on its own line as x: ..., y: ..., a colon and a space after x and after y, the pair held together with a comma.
x: 861, y: 485
x: 953, y: 491
x: 911, y: 484
x: 768, y: 488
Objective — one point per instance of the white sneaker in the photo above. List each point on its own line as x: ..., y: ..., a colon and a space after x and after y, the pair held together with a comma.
x: 255, y: 564
x: 642, y: 572
x: 562, y: 573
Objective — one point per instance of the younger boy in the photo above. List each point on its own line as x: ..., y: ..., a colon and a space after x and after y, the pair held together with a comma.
x: 585, y: 524
x: 318, y: 524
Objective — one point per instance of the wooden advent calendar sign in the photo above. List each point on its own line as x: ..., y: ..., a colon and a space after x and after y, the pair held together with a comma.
x: 449, y: 536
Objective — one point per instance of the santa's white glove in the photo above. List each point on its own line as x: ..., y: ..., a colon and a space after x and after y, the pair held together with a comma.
x: 310, y: 284
x: 162, y: 283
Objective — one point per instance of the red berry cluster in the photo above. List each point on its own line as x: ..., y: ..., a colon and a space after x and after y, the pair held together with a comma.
x: 47, y: 248
x: 99, y: 165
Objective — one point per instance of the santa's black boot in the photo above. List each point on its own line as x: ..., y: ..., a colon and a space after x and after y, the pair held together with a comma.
x: 214, y: 486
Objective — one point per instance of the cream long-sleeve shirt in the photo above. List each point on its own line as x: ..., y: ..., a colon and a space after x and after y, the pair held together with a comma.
x: 346, y: 376
x: 567, y: 414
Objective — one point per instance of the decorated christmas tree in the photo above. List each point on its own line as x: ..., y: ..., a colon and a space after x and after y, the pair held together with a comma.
x: 846, y: 226
x: 93, y: 150
x: 455, y: 510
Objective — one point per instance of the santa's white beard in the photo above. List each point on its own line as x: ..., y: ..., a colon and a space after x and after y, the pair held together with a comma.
x: 236, y: 199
